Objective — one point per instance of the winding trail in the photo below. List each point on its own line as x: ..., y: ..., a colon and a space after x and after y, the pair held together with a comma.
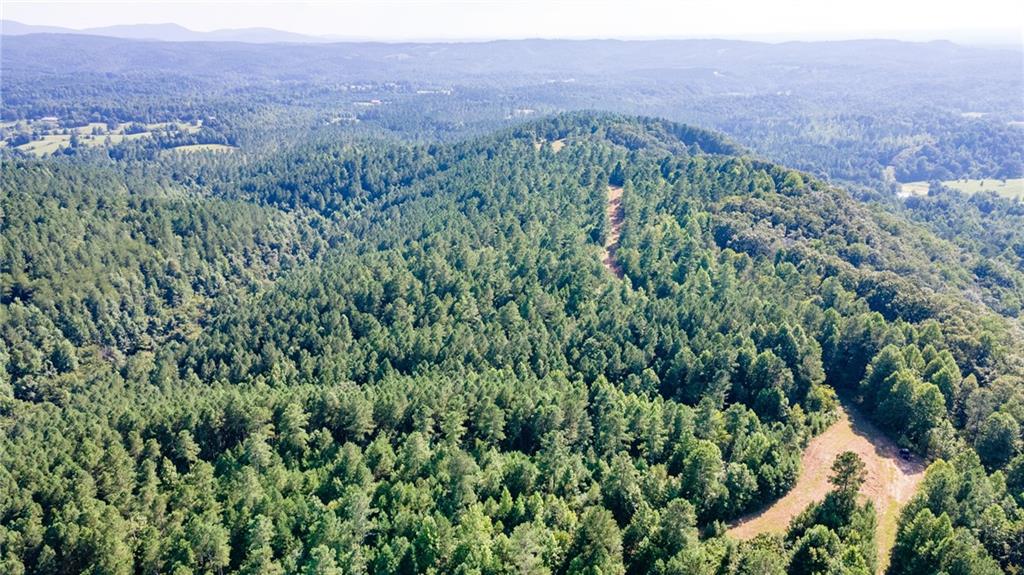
x: 615, y: 215
x: 891, y: 481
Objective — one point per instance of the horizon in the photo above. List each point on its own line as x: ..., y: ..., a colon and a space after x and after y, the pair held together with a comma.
x: 979, y: 37
x: 447, y: 20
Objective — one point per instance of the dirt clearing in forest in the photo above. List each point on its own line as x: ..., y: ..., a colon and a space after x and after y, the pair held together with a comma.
x: 556, y: 145
x: 611, y: 243
x: 891, y: 481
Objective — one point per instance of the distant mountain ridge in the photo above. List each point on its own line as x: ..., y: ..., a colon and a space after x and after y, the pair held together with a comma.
x: 168, y: 32
x: 542, y: 59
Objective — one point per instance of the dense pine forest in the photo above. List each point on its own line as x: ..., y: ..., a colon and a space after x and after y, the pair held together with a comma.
x: 402, y: 358
x: 388, y: 344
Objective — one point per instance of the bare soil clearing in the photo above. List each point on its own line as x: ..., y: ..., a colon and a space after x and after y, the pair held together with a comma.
x: 556, y: 145
x: 611, y: 243
x: 891, y: 481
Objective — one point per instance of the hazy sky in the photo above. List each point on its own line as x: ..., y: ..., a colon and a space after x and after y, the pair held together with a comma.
x: 465, y: 19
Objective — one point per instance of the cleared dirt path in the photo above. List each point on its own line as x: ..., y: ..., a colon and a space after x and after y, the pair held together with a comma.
x: 611, y: 244
x: 891, y: 481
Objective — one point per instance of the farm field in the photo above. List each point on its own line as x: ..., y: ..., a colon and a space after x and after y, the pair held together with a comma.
x: 45, y: 145
x: 1010, y: 188
x: 92, y: 134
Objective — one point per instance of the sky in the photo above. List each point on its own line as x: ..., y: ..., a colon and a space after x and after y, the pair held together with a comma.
x: 997, y: 21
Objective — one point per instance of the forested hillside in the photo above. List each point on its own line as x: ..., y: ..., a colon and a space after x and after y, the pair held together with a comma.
x: 372, y: 356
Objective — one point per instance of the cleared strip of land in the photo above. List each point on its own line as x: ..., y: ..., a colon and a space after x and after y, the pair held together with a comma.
x: 891, y: 481
x: 615, y: 216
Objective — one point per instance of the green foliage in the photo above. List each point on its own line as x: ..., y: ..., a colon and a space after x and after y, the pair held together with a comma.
x: 928, y: 543
x: 961, y: 517
x: 815, y: 552
x: 391, y: 358
x: 998, y: 439
x: 848, y: 473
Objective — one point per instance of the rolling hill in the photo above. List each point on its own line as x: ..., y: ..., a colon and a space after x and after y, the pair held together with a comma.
x: 383, y: 356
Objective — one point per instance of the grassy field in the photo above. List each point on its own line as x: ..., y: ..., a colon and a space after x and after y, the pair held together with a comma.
x: 88, y: 128
x: 53, y: 142
x: 891, y: 481
x: 1011, y: 188
x: 50, y: 143
x: 46, y: 145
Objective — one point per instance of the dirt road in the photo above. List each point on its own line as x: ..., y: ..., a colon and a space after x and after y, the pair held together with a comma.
x: 611, y: 244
